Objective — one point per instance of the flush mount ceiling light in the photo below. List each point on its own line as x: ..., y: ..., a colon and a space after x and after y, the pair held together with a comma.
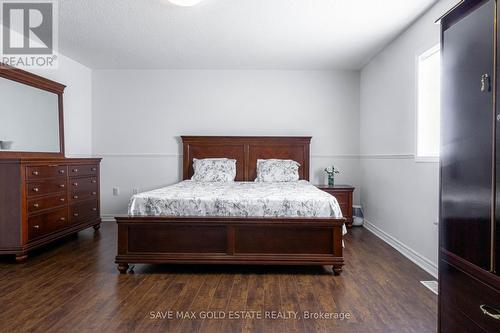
x: 185, y: 3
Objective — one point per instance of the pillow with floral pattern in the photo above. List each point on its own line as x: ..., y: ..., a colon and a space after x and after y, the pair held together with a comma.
x: 214, y: 170
x: 276, y: 170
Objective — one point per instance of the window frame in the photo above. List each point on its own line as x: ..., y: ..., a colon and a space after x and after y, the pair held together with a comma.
x: 422, y: 158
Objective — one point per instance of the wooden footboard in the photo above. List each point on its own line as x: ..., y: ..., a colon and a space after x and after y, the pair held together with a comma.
x: 230, y: 240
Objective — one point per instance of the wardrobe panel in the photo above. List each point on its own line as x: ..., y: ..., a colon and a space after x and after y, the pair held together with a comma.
x: 467, y: 136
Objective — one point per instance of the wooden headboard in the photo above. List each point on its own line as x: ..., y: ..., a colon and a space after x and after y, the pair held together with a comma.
x: 246, y: 150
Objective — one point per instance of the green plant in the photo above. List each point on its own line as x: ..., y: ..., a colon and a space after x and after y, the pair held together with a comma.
x: 331, y: 171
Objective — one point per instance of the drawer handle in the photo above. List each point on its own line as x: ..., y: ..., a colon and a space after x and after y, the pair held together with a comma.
x: 36, y: 226
x: 94, y: 169
x: 62, y: 219
x: 61, y: 172
x: 485, y: 83
x: 35, y: 173
x: 36, y: 205
x: 94, y: 181
x: 94, y: 209
x: 94, y: 193
x: 75, y: 184
x: 61, y: 186
x: 75, y: 197
x: 62, y: 199
x: 490, y: 311
x: 75, y: 214
x: 35, y: 189
x: 75, y: 170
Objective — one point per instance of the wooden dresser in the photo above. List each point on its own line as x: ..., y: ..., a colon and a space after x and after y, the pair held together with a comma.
x: 343, y: 194
x: 45, y: 199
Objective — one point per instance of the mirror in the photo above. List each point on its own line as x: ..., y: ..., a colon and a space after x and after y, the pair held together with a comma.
x: 29, y: 118
x: 30, y: 115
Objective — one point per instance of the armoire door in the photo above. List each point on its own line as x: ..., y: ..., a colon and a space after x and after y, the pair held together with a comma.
x: 467, y: 135
x: 496, y: 248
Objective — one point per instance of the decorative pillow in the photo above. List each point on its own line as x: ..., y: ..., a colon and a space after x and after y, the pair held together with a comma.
x: 214, y: 170
x: 275, y: 170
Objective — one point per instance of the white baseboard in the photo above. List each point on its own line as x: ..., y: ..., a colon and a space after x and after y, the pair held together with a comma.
x: 409, y: 253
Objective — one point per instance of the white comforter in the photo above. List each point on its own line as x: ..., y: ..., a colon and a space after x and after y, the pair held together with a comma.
x: 191, y: 198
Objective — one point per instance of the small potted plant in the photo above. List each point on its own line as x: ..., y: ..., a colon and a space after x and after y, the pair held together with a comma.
x: 331, y: 171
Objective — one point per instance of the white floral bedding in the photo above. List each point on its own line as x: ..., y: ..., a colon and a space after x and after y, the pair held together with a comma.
x: 191, y: 198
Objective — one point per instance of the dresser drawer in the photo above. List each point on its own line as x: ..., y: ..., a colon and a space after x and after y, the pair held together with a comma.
x: 83, y: 184
x: 84, y: 190
x: 47, y: 223
x: 35, y: 205
x: 83, y: 170
x: 83, y: 212
x: 470, y: 296
x: 46, y: 187
x: 45, y: 171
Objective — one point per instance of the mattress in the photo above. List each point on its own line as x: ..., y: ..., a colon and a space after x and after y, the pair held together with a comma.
x: 241, y: 199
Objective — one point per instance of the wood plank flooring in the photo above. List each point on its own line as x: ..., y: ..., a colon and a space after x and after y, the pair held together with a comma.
x: 73, y: 286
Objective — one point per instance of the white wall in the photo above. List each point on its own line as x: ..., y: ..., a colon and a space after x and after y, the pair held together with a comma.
x: 399, y: 195
x: 138, y: 117
x: 77, y: 104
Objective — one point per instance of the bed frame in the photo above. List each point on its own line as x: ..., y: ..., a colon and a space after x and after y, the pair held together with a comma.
x: 234, y: 240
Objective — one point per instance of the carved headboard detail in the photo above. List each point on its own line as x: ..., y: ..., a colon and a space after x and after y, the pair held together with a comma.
x: 246, y: 150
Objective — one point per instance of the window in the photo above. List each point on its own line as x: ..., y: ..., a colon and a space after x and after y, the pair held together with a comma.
x: 428, y: 104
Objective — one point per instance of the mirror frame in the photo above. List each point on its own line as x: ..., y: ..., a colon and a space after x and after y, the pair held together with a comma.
x: 35, y: 81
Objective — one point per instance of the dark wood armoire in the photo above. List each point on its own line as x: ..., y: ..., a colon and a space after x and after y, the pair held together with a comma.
x: 469, y: 283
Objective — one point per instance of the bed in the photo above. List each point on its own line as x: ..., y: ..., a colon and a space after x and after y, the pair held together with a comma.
x: 234, y: 223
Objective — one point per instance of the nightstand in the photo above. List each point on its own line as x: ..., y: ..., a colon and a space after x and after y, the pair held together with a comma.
x: 343, y: 194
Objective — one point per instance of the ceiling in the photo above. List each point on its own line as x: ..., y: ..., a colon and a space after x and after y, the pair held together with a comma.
x: 231, y: 34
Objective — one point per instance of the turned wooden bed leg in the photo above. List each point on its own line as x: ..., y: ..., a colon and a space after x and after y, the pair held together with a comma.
x: 337, y: 270
x: 97, y: 227
x: 123, y: 268
x: 21, y: 257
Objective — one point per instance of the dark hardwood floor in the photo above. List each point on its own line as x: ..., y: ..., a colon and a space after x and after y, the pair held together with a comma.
x: 73, y: 286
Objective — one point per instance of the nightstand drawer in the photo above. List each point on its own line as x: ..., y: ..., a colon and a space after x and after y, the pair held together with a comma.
x: 343, y: 194
x: 345, y: 209
x: 342, y: 197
